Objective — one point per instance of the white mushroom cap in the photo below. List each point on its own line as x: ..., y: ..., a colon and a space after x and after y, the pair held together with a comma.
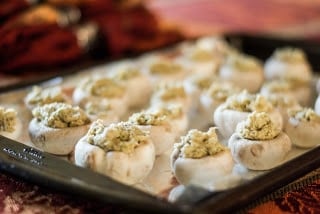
x: 177, y: 118
x: 288, y: 88
x: 129, y: 167
x: 172, y: 94
x: 161, y: 136
x: 258, y: 144
x: 17, y: 130
x: 138, y: 85
x: 102, y: 110
x: 56, y: 127
x: 59, y: 141
x: 84, y: 93
x: 241, y: 70
x: 288, y: 63
x: 200, y: 159
x: 303, y: 128
x: 204, y: 171
x: 211, y: 98
x: 259, y: 155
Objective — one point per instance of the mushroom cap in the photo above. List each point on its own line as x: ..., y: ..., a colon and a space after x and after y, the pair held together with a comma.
x: 17, y: 130
x: 126, y: 168
x: 162, y: 137
x: 259, y: 154
x: 303, y: 134
x: 119, y: 104
x: 241, y: 78
x: 59, y: 141
x: 277, y: 69
x: 203, y: 171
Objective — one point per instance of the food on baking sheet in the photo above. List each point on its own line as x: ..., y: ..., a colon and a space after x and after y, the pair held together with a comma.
x: 238, y: 107
x: 283, y: 104
x: 56, y: 127
x: 289, y: 88
x: 258, y: 143
x: 245, y: 72
x: 169, y: 100
x: 171, y: 93
x: 288, y: 63
x: 163, y: 69
x: 137, y: 84
x: 121, y: 150
x: 10, y: 124
x: 217, y: 94
x: 157, y: 125
x: 205, y: 55
x: 177, y: 118
x: 303, y: 127
x: 194, y: 85
x: 39, y: 96
x: 104, y: 88
x: 200, y: 159
x: 102, y: 110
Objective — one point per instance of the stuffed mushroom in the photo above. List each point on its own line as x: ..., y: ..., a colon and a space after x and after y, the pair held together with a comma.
x: 98, y: 89
x: 259, y: 144
x: 200, y: 159
x: 303, y: 127
x: 288, y: 63
x: 157, y: 125
x: 10, y: 124
x: 238, y: 107
x: 245, y: 72
x: 57, y: 127
x: 121, y: 151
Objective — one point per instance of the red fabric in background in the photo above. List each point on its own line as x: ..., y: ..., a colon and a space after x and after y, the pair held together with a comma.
x: 47, y: 46
x: 124, y: 29
x: 37, y: 47
x: 10, y: 7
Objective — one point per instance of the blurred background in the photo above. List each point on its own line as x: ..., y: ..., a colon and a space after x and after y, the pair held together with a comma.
x: 286, y: 18
x: 41, y: 36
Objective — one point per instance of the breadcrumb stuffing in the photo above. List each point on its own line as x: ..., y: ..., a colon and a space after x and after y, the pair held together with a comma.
x: 169, y: 92
x: 8, y: 118
x: 148, y: 118
x: 221, y: 91
x: 245, y: 63
x: 290, y: 54
x: 121, y: 137
x: 198, y: 144
x: 60, y: 115
x: 246, y: 102
x: 304, y: 114
x: 39, y: 96
x: 258, y: 126
x: 104, y: 87
x: 163, y: 66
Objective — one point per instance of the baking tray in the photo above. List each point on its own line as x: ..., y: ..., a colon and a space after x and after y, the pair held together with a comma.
x: 22, y: 160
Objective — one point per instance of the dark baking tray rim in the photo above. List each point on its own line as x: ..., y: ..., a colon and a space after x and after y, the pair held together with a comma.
x: 194, y: 200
